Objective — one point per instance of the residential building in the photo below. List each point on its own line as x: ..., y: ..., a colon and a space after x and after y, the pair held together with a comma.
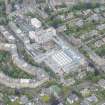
x: 101, y: 83
x: 36, y: 23
x: 72, y: 98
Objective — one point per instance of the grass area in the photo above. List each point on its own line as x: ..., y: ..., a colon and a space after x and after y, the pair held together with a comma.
x: 30, y: 14
x: 29, y: 59
x: 9, y: 69
x: 45, y: 98
x: 8, y: 102
x: 50, y: 72
x: 94, y: 78
x: 101, y: 94
x: 14, y: 103
x: 84, y: 52
x: 4, y: 56
x: 100, y: 51
x: 3, y: 18
x: 52, y: 21
x: 14, y: 72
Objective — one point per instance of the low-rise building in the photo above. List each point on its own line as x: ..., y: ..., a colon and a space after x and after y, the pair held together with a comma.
x: 68, y: 82
x: 85, y: 103
x: 72, y: 98
x: 79, y: 23
x: 23, y: 99
x: 42, y: 36
x: 92, y: 99
x: 99, y: 43
x: 36, y: 23
x: 101, y: 27
x: 64, y: 61
x: 101, y: 83
x: 95, y: 17
x: 85, y: 92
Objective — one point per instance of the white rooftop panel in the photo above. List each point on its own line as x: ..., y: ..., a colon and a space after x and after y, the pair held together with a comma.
x: 61, y: 58
x: 36, y: 23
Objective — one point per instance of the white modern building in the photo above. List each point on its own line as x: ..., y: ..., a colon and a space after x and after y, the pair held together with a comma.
x: 42, y: 36
x: 36, y: 23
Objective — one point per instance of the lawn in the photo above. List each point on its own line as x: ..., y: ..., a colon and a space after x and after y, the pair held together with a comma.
x: 3, y: 18
x: 14, y: 103
x: 100, y: 51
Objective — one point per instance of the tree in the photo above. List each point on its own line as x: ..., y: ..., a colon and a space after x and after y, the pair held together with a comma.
x: 45, y: 98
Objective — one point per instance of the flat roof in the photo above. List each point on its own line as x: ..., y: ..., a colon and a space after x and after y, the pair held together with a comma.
x: 61, y: 58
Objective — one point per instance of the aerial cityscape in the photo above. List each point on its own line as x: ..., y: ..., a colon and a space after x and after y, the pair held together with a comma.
x: 52, y: 52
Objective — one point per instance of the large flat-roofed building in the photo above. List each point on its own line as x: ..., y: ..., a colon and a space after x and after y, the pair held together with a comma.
x: 42, y: 36
x: 51, y: 49
x: 61, y: 58
x: 65, y: 61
